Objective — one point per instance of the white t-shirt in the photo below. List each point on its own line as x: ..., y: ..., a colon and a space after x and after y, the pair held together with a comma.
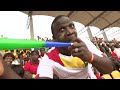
x: 15, y: 62
x: 48, y: 66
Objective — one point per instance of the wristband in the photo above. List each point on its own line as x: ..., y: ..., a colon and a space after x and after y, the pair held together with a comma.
x: 92, y: 58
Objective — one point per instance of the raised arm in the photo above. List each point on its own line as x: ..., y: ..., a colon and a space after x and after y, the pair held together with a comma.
x: 102, y: 64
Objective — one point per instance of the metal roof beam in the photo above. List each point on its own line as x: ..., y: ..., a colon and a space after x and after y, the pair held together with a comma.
x: 70, y: 13
x: 95, y: 18
x: 111, y: 24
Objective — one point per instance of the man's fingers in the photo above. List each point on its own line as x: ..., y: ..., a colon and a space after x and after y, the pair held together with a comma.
x: 77, y: 40
x: 76, y: 45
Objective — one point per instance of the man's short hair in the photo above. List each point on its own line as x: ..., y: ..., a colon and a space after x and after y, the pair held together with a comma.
x: 56, y: 18
x: 36, y: 51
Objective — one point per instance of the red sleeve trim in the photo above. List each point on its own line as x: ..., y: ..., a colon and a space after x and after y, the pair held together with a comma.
x: 54, y: 55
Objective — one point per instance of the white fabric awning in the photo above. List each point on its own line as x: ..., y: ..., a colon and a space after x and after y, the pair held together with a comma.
x: 100, y: 19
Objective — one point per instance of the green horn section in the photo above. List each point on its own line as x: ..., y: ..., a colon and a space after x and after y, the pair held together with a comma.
x: 10, y: 44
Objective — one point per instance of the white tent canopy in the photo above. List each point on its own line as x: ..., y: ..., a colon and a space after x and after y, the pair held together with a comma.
x: 100, y: 19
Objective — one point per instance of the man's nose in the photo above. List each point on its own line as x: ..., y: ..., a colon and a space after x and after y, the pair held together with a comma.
x: 69, y: 31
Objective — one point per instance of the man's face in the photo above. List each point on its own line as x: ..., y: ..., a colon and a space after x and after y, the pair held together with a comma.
x: 34, y: 56
x: 42, y: 51
x: 64, y: 30
x: 8, y: 60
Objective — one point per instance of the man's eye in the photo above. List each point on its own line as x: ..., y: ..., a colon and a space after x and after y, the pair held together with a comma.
x: 62, y: 29
x: 71, y: 25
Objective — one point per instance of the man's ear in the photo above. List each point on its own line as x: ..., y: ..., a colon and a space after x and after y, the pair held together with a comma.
x: 53, y: 38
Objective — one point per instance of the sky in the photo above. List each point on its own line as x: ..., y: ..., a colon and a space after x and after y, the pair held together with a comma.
x: 13, y: 24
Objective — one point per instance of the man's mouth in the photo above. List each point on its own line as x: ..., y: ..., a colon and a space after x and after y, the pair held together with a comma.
x: 70, y: 37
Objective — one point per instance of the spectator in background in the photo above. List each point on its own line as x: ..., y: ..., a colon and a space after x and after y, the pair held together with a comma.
x: 20, y: 56
x: 24, y: 53
x: 108, y: 51
x: 9, y: 58
x: 17, y: 68
x: 26, y: 60
x: 102, y: 49
x: 42, y: 52
x: 114, y: 55
x: 117, y: 50
x: 12, y: 51
x: 30, y: 68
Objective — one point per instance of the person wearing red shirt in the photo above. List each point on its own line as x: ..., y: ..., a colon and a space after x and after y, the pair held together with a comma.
x: 42, y: 52
x: 114, y: 55
x: 30, y: 68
